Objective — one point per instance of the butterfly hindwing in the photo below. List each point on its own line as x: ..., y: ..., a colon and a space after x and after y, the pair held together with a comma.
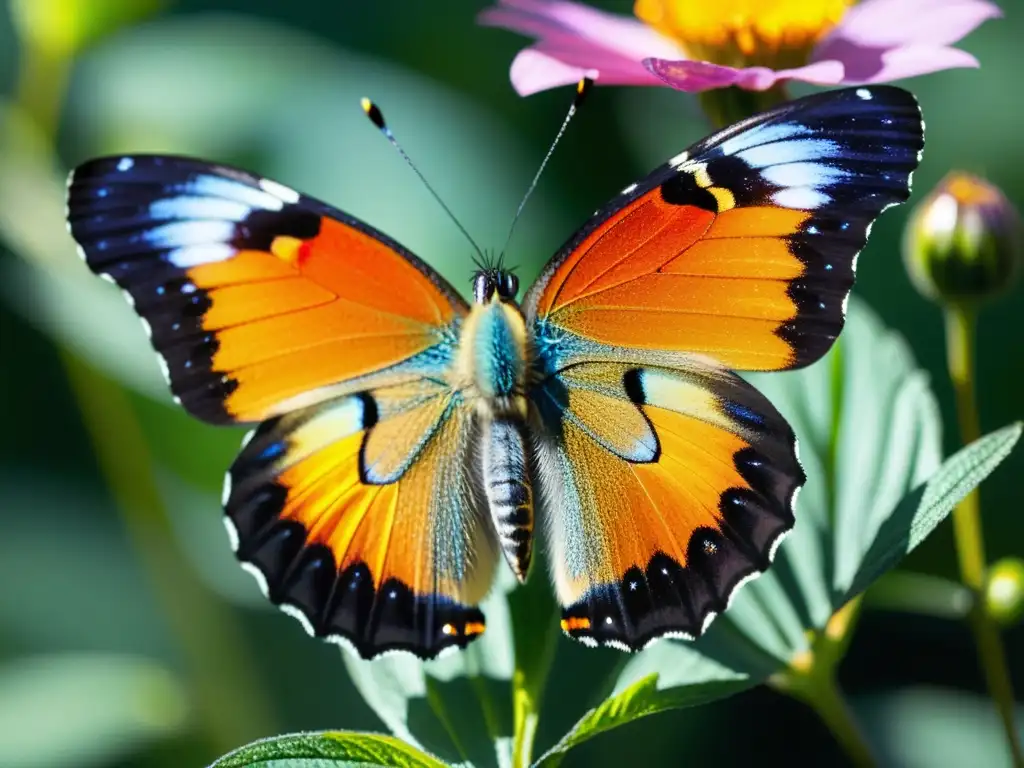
x: 395, y: 565
x: 253, y: 294
x: 654, y: 540
x: 742, y: 248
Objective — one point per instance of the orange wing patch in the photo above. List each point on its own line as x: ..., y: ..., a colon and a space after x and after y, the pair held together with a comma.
x: 680, y: 278
x: 637, y: 241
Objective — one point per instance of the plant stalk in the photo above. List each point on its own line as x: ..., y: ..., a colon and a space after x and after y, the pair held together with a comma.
x: 811, y: 678
x: 967, y: 530
x: 232, y: 708
x: 725, y: 106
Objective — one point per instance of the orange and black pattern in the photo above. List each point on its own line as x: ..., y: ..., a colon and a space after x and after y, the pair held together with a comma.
x: 744, y: 247
x: 395, y: 566
x: 670, y: 481
x: 253, y: 295
x: 663, y: 480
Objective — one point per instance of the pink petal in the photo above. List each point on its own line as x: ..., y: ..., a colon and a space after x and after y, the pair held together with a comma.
x: 575, y: 40
x: 892, y: 23
x: 909, y: 61
x: 534, y: 71
x: 546, y: 18
x: 696, y: 76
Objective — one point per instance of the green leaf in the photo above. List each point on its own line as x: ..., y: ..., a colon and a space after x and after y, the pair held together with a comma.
x: 458, y: 707
x: 328, y: 749
x: 935, y: 728
x: 888, y: 438
x: 922, y: 510
x: 642, y: 698
x: 85, y: 709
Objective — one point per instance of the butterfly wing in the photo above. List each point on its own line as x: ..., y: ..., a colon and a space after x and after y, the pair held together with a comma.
x: 742, y: 248
x: 665, y: 489
x: 379, y: 566
x: 667, y: 479
x: 254, y: 295
x: 353, y: 501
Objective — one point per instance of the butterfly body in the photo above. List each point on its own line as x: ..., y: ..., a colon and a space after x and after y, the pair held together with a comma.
x: 406, y: 441
x: 492, y: 374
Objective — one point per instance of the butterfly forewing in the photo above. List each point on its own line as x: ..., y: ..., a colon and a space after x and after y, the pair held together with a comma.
x: 253, y: 294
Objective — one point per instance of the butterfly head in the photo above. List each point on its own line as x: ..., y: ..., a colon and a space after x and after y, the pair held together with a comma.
x: 494, y: 284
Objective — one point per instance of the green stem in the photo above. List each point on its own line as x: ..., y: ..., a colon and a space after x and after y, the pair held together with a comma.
x: 725, y: 106
x: 232, y: 707
x: 811, y: 678
x: 967, y: 530
x: 42, y: 79
x: 526, y: 711
x: 827, y: 700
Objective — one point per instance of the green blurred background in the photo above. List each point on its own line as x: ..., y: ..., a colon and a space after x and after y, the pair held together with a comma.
x: 115, y: 573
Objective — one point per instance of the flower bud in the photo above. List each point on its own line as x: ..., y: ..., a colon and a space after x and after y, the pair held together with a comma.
x: 1004, y: 590
x: 962, y: 243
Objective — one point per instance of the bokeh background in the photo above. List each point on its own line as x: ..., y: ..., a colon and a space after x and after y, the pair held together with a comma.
x: 118, y: 591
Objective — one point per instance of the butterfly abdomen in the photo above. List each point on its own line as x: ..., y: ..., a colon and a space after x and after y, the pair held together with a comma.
x: 509, y: 492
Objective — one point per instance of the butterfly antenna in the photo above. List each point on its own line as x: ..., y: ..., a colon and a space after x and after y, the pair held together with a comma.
x: 582, y: 89
x: 377, y: 118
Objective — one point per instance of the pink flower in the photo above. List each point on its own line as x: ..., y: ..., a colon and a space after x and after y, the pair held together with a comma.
x: 697, y: 45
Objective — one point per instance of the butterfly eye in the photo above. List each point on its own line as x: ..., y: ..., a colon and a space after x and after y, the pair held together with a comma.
x: 511, y: 287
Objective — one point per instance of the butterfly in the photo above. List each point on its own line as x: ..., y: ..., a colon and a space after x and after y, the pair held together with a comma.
x: 407, y: 441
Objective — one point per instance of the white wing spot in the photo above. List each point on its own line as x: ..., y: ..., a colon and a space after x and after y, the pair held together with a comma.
x: 287, y: 194
x: 193, y: 255
x: 629, y: 190
x: 125, y: 164
x: 801, y: 198
x: 707, y: 622
x: 679, y: 159
x: 864, y: 93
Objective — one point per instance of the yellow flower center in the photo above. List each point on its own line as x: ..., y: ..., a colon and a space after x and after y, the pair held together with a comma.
x: 744, y: 33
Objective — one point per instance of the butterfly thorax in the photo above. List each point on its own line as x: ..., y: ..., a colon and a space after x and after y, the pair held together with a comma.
x: 490, y: 373
x: 491, y: 365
